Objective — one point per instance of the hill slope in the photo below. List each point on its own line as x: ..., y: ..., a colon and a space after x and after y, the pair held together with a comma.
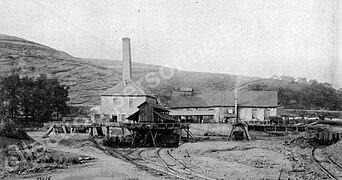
x: 88, y: 78
x: 301, y: 95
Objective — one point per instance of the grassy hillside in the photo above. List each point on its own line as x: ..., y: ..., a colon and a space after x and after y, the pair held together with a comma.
x: 301, y: 95
x: 87, y: 78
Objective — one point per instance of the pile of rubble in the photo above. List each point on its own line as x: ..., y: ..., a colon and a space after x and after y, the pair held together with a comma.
x: 20, y: 154
x: 23, y: 158
x: 76, y: 140
x: 302, y: 142
x: 9, y: 132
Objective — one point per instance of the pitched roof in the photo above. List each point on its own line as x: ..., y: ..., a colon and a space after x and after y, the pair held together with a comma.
x: 164, y: 116
x: 226, y: 98
x: 128, y: 88
x: 134, y: 116
x: 154, y: 105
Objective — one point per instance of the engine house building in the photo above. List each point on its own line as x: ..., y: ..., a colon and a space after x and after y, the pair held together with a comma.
x: 122, y: 100
x: 220, y: 106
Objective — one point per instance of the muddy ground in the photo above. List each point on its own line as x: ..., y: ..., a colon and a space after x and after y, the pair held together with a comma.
x: 265, y: 157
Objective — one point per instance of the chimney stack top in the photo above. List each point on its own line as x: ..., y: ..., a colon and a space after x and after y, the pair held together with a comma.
x: 126, y: 63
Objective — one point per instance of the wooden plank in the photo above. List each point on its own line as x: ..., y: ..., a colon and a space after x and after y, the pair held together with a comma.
x: 99, y: 131
x: 64, y: 130
x: 134, y: 135
x: 49, y: 131
x: 153, y: 139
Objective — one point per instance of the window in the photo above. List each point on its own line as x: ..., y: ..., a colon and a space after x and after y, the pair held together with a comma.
x: 267, y: 114
x: 118, y: 102
x: 97, y: 116
x: 208, y: 119
x: 114, y: 118
x: 254, y: 113
x: 123, y: 117
x: 230, y: 110
x: 130, y: 102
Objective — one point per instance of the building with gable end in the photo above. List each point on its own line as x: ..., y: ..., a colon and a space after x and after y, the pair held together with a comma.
x: 122, y: 100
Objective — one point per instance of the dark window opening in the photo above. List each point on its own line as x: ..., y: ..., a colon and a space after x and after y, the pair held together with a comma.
x: 114, y: 118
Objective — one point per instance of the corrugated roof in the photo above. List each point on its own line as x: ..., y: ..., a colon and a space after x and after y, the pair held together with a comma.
x: 226, y: 98
x: 128, y: 88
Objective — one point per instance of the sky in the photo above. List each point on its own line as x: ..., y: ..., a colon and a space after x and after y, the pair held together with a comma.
x: 258, y: 38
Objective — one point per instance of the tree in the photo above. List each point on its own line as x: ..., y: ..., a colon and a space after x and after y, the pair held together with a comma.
x: 59, y: 97
x: 38, y: 98
x: 26, y: 96
x: 2, y: 100
x: 312, y: 95
x: 42, y: 95
x: 50, y: 97
x: 11, y: 91
x: 301, y: 80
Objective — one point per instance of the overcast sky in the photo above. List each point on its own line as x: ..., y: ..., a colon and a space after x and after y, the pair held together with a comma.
x: 255, y: 38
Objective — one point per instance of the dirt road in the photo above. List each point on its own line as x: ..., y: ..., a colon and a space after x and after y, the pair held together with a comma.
x: 106, y: 167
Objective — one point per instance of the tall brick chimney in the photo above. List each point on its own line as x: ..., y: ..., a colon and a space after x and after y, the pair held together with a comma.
x: 126, y: 63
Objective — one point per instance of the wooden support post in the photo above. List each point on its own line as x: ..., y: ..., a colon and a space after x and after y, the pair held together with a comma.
x: 63, y: 128
x: 155, y: 136
x: 107, y: 132
x: 134, y: 135
x: 180, y: 136
x: 187, y: 133
x: 247, y: 133
x: 153, y: 140
x: 275, y: 128
x: 91, y: 131
x: 123, y: 132
x: 231, y: 132
x: 145, y: 140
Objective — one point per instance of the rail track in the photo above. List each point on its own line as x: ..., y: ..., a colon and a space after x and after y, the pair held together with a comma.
x: 334, y: 163
x: 326, y: 164
x: 159, y: 160
x: 180, y: 167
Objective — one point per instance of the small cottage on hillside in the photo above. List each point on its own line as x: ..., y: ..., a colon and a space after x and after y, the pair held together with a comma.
x: 221, y: 106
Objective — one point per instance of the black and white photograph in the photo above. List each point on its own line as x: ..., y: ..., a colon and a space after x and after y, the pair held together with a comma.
x: 170, y: 90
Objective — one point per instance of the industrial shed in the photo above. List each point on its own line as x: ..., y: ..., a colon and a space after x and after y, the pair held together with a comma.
x: 150, y: 112
x: 219, y: 106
